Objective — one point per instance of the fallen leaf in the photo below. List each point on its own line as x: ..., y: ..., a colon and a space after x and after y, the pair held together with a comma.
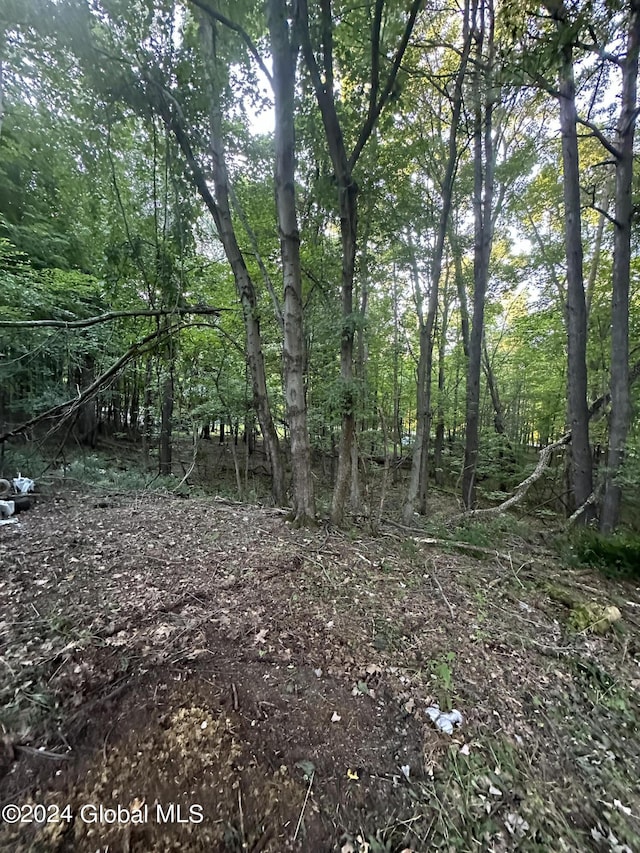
x: 260, y: 636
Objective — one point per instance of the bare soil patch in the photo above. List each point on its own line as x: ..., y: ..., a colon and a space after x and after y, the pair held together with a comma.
x: 232, y: 684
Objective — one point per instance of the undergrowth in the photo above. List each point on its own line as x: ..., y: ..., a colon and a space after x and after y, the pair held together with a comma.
x: 615, y: 556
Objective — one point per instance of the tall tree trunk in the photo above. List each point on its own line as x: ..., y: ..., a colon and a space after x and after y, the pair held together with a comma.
x: 483, y: 157
x: 463, y: 303
x: 86, y: 425
x: 134, y: 406
x: 2, y: 48
x: 221, y: 213
x: 581, y: 463
x: 620, y: 400
x: 285, y: 53
x: 597, y: 245
x: 343, y: 166
x: 417, y: 491
x: 348, y: 211
x: 361, y: 377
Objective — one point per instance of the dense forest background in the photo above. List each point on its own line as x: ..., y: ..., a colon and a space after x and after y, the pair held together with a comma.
x: 354, y: 245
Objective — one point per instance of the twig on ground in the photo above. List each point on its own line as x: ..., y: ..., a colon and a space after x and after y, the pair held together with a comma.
x: 242, y: 835
x: 43, y: 753
x: 304, y: 805
x: 434, y: 578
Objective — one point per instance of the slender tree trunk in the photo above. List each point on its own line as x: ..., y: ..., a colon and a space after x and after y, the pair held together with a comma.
x: 498, y: 413
x: 134, y: 407
x: 86, y: 426
x: 620, y: 399
x: 285, y: 55
x: 417, y: 491
x: 2, y: 48
x: 348, y: 211
x: 463, y: 303
x: 581, y: 463
x: 348, y: 231
x: 147, y: 417
x: 416, y: 494
x: 343, y: 166
x: 221, y: 212
x: 483, y: 154
x: 166, y: 425
x: 438, y: 445
x: 597, y: 246
x: 361, y: 377
x: 396, y: 428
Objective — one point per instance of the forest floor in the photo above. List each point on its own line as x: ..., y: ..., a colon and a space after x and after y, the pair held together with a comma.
x: 231, y: 683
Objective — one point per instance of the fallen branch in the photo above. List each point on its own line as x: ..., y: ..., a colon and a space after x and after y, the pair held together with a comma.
x: 448, y: 543
x: 110, y: 315
x: 593, y: 498
x: 70, y: 406
x: 42, y: 753
x: 434, y: 578
x: 522, y: 488
x: 543, y: 461
x: 304, y: 805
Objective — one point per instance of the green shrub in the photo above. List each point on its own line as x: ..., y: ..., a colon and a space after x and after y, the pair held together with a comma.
x: 615, y: 556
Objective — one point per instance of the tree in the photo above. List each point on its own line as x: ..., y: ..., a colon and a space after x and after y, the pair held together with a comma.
x: 284, y: 49
x: 483, y: 187
x: 581, y: 465
x: 417, y: 490
x: 343, y: 166
x: 620, y: 398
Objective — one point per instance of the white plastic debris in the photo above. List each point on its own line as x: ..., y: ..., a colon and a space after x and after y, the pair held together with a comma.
x: 7, y: 508
x: 23, y: 485
x: 444, y: 720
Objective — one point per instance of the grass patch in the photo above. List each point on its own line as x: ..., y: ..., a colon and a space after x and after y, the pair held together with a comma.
x: 615, y: 556
x: 503, y: 797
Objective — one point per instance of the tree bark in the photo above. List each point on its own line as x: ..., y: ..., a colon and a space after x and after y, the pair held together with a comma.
x: 498, y: 412
x: 221, y: 212
x: 285, y: 53
x: 166, y: 425
x: 347, y: 198
x: 483, y: 155
x: 417, y: 491
x: 581, y: 463
x: 620, y: 398
x: 2, y: 49
x: 438, y: 444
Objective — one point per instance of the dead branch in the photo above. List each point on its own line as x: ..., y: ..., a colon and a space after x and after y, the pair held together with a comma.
x: 521, y: 489
x: 434, y: 578
x: 236, y: 28
x: 446, y: 543
x: 543, y: 461
x: 110, y: 315
x: 70, y: 406
x: 593, y: 498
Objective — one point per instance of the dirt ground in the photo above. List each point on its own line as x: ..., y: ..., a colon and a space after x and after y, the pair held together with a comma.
x: 194, y: 675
